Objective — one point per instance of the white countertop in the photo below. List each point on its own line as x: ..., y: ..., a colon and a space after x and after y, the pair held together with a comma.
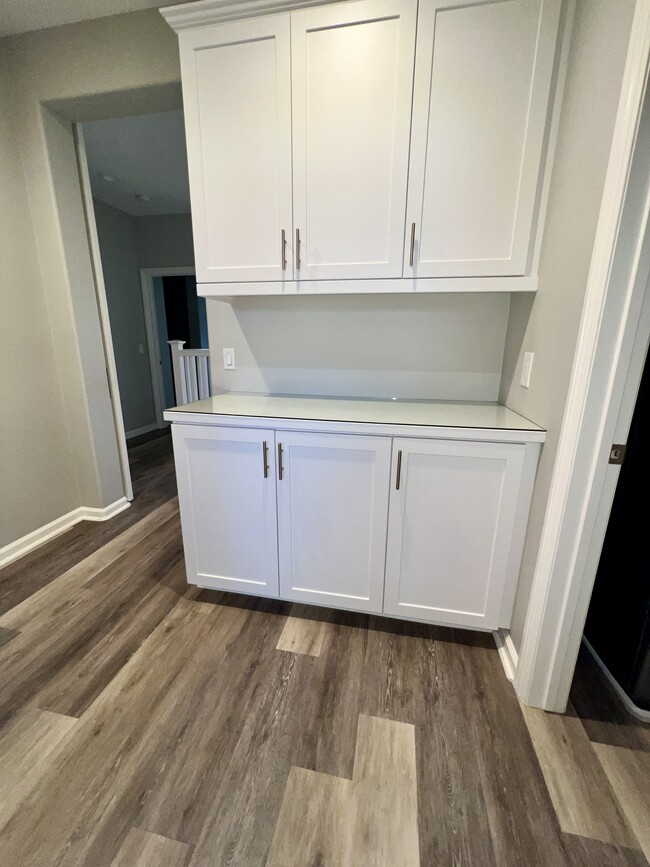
x: 425, y: 413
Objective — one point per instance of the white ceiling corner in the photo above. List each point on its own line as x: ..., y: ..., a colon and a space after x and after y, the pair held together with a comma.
x: 21, y: 16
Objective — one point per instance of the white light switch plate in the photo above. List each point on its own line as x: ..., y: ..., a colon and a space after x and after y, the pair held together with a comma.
x: 229, y: 362
x: 527, y: 369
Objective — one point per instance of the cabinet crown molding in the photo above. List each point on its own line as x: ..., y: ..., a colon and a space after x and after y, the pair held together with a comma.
x: 187, y: 16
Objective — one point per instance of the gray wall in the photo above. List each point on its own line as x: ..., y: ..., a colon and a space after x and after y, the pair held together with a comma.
x: 548, y: 323
x: 165, y: 241
x: 38, y: 481
x: 106, y: 67
x: 121, y: 267
x: 127, y: 244
x: 439, y: 346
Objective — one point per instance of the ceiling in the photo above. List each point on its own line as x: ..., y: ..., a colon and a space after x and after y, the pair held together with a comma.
x: 19, y: 16
x: 144, y: 156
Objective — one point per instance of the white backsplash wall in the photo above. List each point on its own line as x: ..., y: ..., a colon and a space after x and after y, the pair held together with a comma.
x: 446, y: 347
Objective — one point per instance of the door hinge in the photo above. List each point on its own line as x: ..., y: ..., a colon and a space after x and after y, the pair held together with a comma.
x: 617, y: 453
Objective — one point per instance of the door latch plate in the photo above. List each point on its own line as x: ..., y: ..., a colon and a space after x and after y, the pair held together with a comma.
x: 617, y: 453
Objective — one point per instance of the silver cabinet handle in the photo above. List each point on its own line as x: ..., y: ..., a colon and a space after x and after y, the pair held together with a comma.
x: 399, y: 470
x: 412, y: 245
x: 265, y: 458
x: 283, y: 250
x: 280, y: 463
x: 298, y: 249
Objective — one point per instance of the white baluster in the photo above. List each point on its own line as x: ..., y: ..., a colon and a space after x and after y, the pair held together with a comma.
x: 178, y: 368
x: 193, y: 386
x: 204, y: 384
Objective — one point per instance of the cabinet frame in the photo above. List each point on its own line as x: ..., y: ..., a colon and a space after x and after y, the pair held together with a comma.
x: 277, y: 429
x: 192, y: 18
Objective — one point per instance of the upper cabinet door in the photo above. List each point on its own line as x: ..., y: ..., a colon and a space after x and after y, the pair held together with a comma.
x: 482, y: 83
x: 237, y: 96
x: 352, y: 80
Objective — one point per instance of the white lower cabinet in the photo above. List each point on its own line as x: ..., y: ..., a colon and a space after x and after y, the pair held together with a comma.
x: 450, y: 529
x: 418, y: 528
x: 226, y: 492
x: 332, y: 513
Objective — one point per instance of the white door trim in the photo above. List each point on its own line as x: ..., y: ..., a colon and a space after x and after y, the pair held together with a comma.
x: 153, y: 344
x: 565, y: 571
x: 102, y: 306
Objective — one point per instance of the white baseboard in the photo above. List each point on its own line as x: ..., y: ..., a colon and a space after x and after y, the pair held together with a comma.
x: 139, y: 431
x: 636, y: 711
x: 32, y: 540
x: 507, y: 652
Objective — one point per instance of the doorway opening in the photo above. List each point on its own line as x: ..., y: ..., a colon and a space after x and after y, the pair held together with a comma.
x: 135, y: 187
x: 174, y: 314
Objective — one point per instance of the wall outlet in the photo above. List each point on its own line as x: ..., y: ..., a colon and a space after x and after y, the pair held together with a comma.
x: 527, y: 369
x: 141, y: 348
x: 229, y: 362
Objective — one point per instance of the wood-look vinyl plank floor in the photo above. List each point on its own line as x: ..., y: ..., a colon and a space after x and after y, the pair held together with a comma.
x: 92, y: 793
x: 418, y: 674
x: 154, y: 483
x: 301, y: 633
x: 50, y: 661
x: 142, y: 849
x: 628, y: 772
x: 582, y: 796
x: 25, y: 753
x: 6, y: 635
x: 376, y: 809
x: 199, y: 743
x: 523, y: 827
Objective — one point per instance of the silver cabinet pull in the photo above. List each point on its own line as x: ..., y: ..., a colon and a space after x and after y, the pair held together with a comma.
x: 280, y: 464
x: 399, y: 470
x: 412, y: 245
x: 265, y: 458
x: 298, y: 249
x: 283, y: 250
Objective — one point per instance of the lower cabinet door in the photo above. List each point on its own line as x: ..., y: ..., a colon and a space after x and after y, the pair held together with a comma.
x: 451, y: 520
x: 226, y: 491
x: 332, y: 514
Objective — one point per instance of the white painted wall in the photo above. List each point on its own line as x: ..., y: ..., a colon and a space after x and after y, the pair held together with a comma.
x: 548, y: 323
x: 107, y: 67
x: 38, y: 481
x: 438, y: 346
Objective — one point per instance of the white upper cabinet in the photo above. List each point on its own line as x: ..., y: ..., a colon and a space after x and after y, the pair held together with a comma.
x: 482, y: 83
x: 237, y: 97
x: 369, y: 145
x: 352, y: 80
